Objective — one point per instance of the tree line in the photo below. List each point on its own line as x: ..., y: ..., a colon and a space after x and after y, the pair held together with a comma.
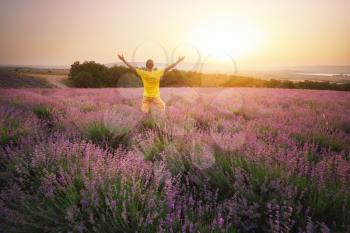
x: 90, y: 74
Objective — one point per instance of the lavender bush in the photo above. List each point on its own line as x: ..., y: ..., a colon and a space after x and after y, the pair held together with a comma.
x: 218, y: 160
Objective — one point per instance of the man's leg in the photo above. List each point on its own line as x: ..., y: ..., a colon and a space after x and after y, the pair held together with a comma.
x: 146, y: 104
x: 159, y: 103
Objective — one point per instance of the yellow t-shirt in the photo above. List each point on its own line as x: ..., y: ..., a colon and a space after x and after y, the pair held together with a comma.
x: 150, y: 80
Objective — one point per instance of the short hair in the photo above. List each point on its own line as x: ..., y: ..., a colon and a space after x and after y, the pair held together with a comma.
x: 149, y: 64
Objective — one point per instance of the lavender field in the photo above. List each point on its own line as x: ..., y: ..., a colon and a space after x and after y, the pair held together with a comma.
x: 218, y: 160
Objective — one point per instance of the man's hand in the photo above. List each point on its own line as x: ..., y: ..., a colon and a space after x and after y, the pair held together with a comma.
x: 121, y: 57
x: 131, y: 67
x: 180, y: 59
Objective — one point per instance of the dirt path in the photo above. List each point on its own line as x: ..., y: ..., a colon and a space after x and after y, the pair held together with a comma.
x: 55, y: 79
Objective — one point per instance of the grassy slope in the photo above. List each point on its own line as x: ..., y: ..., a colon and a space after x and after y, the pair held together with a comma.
x: 12, y: 79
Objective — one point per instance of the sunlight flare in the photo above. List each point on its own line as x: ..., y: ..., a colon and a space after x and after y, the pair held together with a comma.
x: 222, y: 37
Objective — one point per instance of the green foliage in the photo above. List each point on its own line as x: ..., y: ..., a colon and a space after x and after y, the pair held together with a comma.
x: 345, y: 127
x: 87, y: 108
x: 153, y: 153
x: 11, y: 132
x: 266, y: 132
x: 326, y: 202
x: 98, y: 132
x: 131, y: 207
x: 259, y: 179
x: 328, y: 142
x: 84, y: 79
x: 202, y: 124
x: 161, y: 139
x: 323, y: 141
x: 229, y: 164
x: 103, y: 134
x: 150, y: 122
x: 43, y: 112
x: 177, y: 78
x: 68, y: 82
x: 64, y: 210
x: 6, y: 137
x: 91, y: 74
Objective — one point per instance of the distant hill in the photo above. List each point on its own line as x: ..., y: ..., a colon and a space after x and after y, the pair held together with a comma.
x: 320, y: 69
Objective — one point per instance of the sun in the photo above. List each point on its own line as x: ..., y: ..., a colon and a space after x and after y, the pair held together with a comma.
x: 220, y: 38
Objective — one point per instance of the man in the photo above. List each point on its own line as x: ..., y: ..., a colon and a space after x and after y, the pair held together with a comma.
x: 150, y: 79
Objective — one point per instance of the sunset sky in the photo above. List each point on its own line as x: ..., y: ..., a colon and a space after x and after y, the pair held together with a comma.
x: 254, y: 33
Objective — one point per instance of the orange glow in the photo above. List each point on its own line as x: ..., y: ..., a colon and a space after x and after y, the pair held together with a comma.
x: 39, y: 32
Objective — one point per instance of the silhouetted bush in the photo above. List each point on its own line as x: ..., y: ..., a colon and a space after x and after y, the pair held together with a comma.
x: 91, y: 74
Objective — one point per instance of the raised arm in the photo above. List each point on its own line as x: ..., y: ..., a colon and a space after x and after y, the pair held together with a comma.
x: 131, y: 67
x: 169, y: 67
